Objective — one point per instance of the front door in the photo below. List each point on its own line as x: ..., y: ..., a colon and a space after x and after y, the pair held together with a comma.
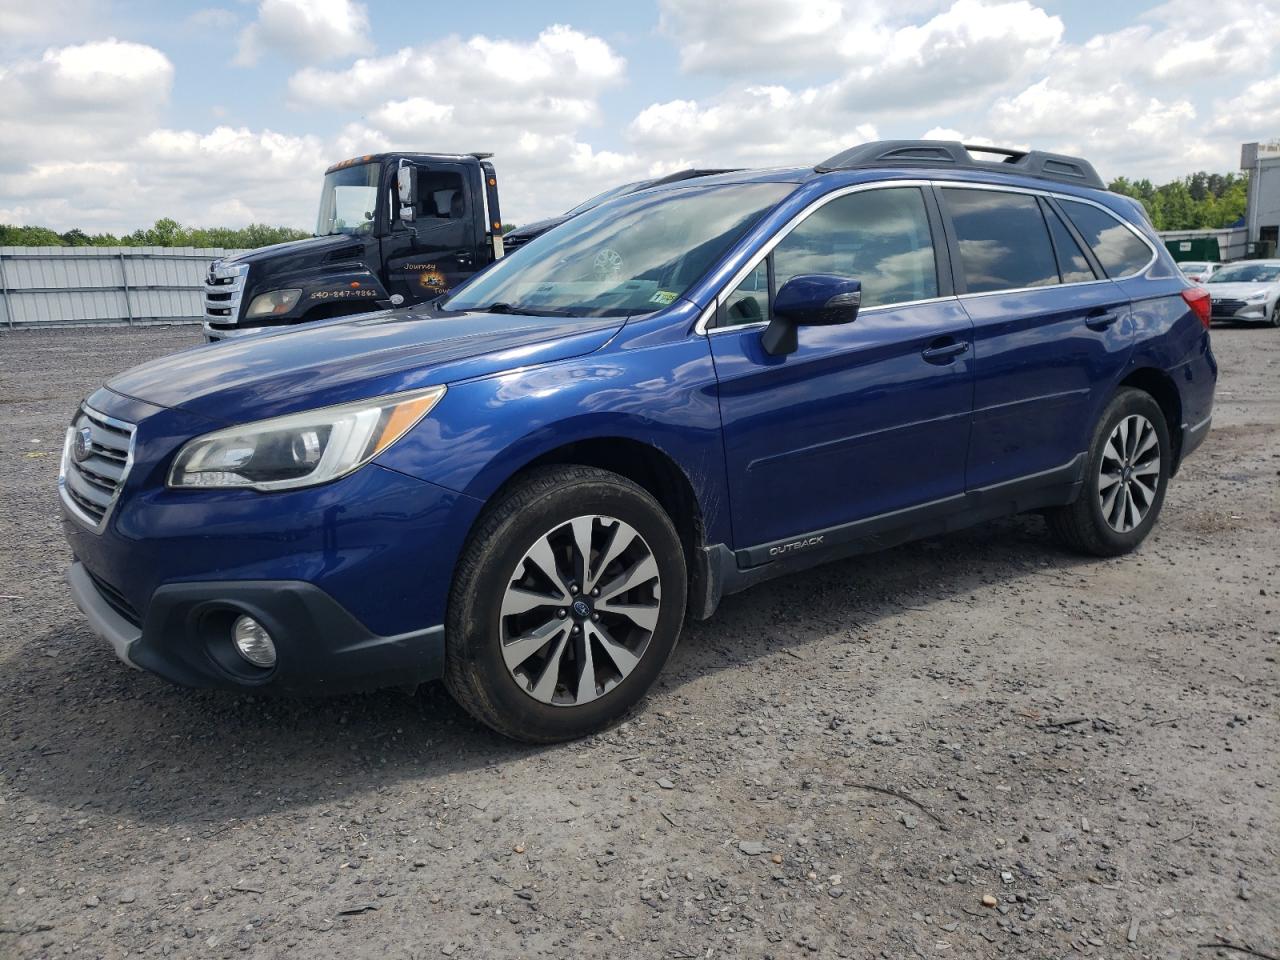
x: 436, y: 252
x: 866, y: 418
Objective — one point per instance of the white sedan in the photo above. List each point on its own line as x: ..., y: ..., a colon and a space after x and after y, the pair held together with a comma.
x: 1198, y: 271
x: 1247, y: 291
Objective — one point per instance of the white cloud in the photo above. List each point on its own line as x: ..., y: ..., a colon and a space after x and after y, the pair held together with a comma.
x: 80, y: 99
x: 305, y: 31
x: 1254, y: 115
x: 757, y: 126
x: 26, y: 19
x: 960, y: 54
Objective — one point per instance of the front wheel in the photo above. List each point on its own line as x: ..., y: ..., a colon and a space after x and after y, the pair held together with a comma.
x: 1275, y: 315
x: 566, y: 604
x: 1130, y: 459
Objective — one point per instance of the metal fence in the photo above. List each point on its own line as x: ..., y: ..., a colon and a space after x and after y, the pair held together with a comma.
x: 70, y: 286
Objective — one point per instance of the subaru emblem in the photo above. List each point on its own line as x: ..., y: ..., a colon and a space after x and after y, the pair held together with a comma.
x: 82, y: 446
x: 580, y: 608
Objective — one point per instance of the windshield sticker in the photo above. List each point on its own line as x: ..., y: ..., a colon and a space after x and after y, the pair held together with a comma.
x: 664, y: 297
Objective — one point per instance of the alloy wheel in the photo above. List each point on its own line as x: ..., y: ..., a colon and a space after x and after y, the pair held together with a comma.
x: 1129, y: 473
x: 579, y: 610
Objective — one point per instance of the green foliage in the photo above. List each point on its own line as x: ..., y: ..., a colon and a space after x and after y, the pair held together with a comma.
x: 166, y: 232
x: 1202, y: 201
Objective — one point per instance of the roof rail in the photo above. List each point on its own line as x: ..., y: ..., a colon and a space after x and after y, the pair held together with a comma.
x: 959, y: 156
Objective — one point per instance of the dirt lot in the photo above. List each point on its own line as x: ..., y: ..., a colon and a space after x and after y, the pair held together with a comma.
x: 844, y: 763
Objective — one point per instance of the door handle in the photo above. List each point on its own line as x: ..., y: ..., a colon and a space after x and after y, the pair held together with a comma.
x: 1101, y: 320
x: 944, y: 351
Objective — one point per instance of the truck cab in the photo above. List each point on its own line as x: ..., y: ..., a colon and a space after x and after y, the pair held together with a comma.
x: 393, y: 229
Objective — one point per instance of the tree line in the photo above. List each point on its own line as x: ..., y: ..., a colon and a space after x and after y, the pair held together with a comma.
x: 1202, y: 201
x: 1196, y: 202
x: 166, y: 232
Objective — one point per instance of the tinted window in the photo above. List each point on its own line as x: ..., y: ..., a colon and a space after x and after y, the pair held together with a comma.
x: 1072, y: 263
x: 1117, y: 249
x: 1004, y: 243
x: 880, y: 237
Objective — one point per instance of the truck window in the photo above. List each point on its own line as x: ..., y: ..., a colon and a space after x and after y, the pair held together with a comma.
x: 442, y: 211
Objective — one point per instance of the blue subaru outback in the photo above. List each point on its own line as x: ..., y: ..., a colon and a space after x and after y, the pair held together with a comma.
x: 525, y: 488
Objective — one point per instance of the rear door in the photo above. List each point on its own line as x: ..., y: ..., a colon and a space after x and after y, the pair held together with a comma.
x: 1051, y: 333
x: 864, y: 418
x: 437, y: 251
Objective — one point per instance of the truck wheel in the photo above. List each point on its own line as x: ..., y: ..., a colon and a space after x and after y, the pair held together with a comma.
x: 1125, y: 480
x: 566, y: 603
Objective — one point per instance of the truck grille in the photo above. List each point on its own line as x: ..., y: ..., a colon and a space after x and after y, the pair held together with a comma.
x: 96, y: 458
x: 223, y: 289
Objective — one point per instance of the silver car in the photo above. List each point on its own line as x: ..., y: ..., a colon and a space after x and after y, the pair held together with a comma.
x: 1198, y: 271
x: 1248, y: 291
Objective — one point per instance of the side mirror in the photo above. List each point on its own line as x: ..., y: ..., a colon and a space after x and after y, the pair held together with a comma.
x: 810, y: 300
x: 405, y: 181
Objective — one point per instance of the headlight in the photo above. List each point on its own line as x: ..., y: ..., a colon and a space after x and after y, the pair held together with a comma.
x: 302, y: 449
x: 1256, y: 297
x: 277, y: 301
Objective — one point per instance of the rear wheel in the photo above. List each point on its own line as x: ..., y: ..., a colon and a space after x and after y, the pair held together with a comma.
x: 566, y: 604
x: 1129, y: 465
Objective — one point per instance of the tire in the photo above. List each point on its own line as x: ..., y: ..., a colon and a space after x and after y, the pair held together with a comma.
x: 504, y: 602
x: 1275, y: 315
x: 1089, y: 525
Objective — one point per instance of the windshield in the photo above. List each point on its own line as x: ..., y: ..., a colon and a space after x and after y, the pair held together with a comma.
x: 1247, y: 273
x: 636, y: 254
x: 1190, y: 267
x: 348, y: 200
x: 600, y: 198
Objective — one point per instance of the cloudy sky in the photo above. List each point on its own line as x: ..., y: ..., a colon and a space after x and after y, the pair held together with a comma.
x: 116, y: 112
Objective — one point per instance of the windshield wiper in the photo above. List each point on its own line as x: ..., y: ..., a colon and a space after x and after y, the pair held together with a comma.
x: 497, y: 307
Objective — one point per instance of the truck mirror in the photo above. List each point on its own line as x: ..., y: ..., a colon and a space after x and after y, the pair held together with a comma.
x: 405, y: 184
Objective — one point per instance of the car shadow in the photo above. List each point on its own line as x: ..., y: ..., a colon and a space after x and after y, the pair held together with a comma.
x: 85, y: 733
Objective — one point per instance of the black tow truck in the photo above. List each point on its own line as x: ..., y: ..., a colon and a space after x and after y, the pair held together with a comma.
x: 393, y: 229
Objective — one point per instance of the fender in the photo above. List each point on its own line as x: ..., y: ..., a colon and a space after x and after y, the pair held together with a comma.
x: 486, y: 430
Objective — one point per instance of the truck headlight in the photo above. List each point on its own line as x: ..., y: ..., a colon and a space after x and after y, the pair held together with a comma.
x: 277, y: 301
x: 301, y: 449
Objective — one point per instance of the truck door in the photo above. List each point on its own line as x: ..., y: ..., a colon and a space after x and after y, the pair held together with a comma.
x: 437, y: 250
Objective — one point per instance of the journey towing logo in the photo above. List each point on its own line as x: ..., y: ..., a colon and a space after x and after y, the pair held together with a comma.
x: 429, y: 276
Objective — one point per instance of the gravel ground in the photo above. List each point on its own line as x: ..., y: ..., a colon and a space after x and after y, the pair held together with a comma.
x: 975, y: 746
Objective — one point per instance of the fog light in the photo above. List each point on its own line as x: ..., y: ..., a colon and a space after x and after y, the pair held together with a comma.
x: 253, y: 642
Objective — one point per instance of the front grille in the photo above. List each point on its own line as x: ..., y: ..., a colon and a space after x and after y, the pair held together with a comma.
x: 115, y: 599
x: 1227, y: 308
x: 223, y: 290
x: 96, y: 458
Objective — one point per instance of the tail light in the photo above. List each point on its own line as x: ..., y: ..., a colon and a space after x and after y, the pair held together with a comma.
x: 1201, y: 304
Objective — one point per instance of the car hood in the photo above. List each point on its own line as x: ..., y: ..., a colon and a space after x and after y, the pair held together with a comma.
x: 1238, y: 291
x: 306, y: 247
x: 337, y: 361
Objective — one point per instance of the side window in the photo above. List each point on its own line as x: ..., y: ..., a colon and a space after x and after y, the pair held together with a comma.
x: 1117, y: 249
x: 749, y: 301
x: 880, y: 237
x: 441, y: 224
x: 1004, y: 244
x: 1072, y: 263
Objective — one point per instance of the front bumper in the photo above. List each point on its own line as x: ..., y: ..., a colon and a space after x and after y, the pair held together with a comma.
x: 1238, y: 311
x: 321, y: 648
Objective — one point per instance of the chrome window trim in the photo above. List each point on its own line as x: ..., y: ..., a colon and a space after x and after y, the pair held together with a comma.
x: 781, y: 234
x: 708, y: 315
x: 97, y: 526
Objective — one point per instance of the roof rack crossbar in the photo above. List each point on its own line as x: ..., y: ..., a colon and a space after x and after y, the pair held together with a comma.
x: 959, y: 156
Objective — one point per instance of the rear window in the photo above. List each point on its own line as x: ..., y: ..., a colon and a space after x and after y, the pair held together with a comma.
x: 1071, y: 259
x: 1117, y: 248
x: 1004, y: 244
